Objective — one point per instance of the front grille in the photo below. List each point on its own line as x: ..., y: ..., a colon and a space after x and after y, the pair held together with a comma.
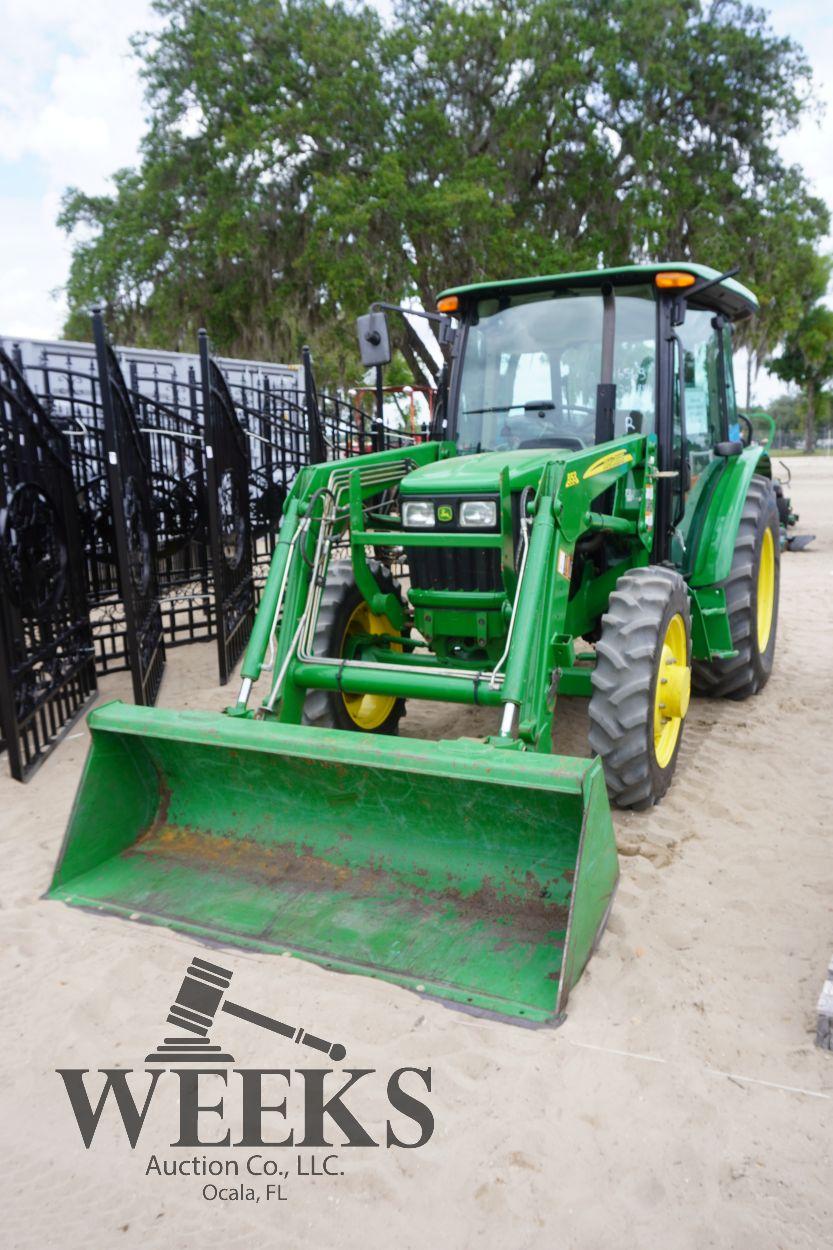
x: 454, y: 568
x: 458, y: 568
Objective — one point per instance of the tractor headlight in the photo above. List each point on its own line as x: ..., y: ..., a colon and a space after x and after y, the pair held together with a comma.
x: 418, y: 514
x: 478, y: 514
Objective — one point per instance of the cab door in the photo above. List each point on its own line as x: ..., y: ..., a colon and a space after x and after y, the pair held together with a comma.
x: 706, y: 415
x: 706, y: 391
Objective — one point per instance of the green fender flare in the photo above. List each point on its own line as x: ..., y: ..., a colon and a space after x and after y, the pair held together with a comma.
x: 711, y: 560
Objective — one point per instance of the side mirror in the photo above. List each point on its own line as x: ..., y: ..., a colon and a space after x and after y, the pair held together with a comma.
x: 374, y: 340
x: 728, y: 449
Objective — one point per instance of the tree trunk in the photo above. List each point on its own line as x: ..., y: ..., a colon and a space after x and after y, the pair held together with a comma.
x: 418, y: 375
x: 417, y: 350
x: 810, y: 420
x: 748, y: 379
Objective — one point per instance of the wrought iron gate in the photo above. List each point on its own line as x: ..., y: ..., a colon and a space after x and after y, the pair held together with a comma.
x: 131, y: 502
x: 169, y: 415
x: 47, y: 661
x: 229, y: 525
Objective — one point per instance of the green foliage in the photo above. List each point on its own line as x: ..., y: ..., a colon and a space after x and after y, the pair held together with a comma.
x: 788, y: 411
x: 807, y: 354
x: 303, y: 158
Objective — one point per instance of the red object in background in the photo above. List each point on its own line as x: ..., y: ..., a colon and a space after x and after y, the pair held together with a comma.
x: 410, y: 391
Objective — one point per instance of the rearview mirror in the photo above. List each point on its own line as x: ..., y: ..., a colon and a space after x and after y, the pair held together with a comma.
x: 374, y: 340
x: 733, y: 448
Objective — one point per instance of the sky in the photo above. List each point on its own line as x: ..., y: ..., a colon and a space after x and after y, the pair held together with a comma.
x: 71, y: 112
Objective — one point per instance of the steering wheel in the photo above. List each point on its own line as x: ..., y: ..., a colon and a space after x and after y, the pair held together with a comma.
x: 550, y: 423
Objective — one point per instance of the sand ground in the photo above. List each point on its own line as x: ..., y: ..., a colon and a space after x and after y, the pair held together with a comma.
x: 682, y: 1104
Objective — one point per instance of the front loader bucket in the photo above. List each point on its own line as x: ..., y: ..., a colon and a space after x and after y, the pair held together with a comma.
x: 471, y: 873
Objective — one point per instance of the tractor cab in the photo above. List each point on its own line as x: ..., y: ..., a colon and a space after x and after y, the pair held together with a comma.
x: 565, y: 363
x: 580, y: 359
x: 563, y: 368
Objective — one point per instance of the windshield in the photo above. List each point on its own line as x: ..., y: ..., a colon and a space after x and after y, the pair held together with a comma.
x: 532, y: 365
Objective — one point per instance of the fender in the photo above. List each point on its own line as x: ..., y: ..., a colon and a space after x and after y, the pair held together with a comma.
x: 711, y: 559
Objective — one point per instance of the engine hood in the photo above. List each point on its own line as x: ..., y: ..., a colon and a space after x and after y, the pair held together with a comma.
x: 464, y: 475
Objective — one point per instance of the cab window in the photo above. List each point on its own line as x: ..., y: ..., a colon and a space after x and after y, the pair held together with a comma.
x: 702, y: 344
x: 733, y: 429
x: 532, y: 365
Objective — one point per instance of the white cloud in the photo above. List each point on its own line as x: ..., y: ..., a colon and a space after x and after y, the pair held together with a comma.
x: 36, y: 259
x: 811, y: 146
x: 71, y: 112
x: 811, y: 24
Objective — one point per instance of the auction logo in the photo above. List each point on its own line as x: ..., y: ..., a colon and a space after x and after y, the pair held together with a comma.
x: 195, y: 1007
x: 193, y: 1060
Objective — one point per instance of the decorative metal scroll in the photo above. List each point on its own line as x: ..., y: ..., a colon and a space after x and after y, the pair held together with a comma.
x: 229, y: 524
x: 133, y: 521
x: 47, y: 661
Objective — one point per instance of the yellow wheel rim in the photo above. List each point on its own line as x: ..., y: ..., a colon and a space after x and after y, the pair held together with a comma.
x: 766, y: 589
x: 673, y: 691
x: 368, y: 711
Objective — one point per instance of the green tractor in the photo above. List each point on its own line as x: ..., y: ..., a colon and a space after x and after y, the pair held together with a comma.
x: 585, y: 522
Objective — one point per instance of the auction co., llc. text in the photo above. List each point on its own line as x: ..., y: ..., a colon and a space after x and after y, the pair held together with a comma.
x: 253, y: 1179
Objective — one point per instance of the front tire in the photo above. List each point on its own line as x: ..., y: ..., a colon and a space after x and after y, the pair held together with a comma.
x: 641, y: 685
x: 344, y: 613
x: 752, y: 590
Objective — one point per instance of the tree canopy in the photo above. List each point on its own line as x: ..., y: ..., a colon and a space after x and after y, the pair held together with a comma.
x: 304, y: 157
x: 807, y: 354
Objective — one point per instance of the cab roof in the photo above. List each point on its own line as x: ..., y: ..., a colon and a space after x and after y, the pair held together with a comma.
x: 729, y: 297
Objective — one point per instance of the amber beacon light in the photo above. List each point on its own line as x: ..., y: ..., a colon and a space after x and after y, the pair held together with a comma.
x: 674, y: 280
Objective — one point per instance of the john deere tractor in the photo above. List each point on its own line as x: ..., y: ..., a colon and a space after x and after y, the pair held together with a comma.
x: 585, y: 522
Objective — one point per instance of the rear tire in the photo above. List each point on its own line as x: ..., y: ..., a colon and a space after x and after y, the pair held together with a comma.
x: 341, y: 600
x: 748, y: 587
x: 643, y: 653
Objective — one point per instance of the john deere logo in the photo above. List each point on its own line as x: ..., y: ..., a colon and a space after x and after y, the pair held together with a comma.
x: 445, y: 513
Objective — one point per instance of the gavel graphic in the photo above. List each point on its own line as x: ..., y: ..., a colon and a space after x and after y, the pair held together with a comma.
x: 195, y: 1007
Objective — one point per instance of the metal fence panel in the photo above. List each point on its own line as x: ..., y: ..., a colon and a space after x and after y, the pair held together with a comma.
x: 165, y: 392
x: 162, y: 414
x: 47, y: 663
